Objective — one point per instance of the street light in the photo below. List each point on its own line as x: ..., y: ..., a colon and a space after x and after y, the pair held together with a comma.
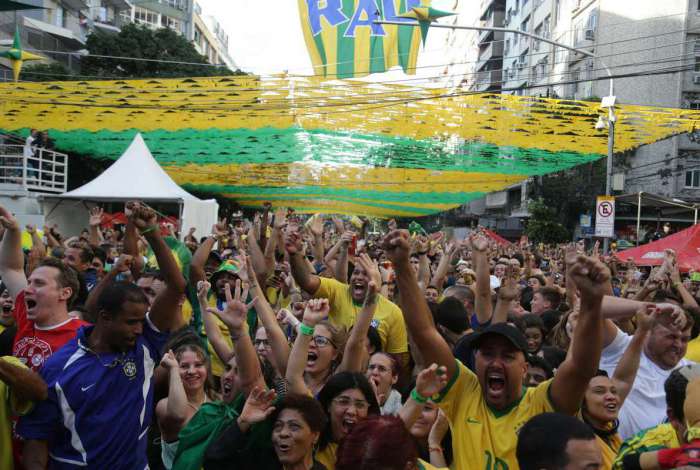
x: 607, y: 102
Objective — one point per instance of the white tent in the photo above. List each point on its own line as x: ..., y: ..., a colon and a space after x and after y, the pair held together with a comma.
x: 136, y: 175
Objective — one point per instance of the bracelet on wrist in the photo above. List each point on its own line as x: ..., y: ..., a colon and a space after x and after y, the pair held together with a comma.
x: 418, y: 397
x: 306, y: 330
x: 435, y: 449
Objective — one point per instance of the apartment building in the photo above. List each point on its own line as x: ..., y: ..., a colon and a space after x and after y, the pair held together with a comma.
x: 489, y: 65
x: 644, y: 37
x: 61, y: 27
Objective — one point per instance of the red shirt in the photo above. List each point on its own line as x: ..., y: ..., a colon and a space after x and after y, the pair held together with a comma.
x: 33, y: 344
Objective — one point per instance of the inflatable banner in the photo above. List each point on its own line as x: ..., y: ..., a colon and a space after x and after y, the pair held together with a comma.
x: 344, y: 41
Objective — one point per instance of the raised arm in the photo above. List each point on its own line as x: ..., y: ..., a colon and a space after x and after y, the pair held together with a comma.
x: 94, y: 222
x: 627, y: 368
x: 571, y: 380
x: 278, y: 341
x: 507, y: 293
x: 444, y: 266
x: 483, y: 307
x: 201, y: 255
x: 355, y: 354
x: 214, y: 336
x: 316, y: 229
x: 131, y: 247
x: 122, y: 265
x: 429, y: 382
x: 26, y: 385
x: 300, y: 267
x: 422, y: 248
x: 235, y: 317
x: 316, y: 311
x: 340, y: 271
x: 11, y: 256
x: 172, y: 411
x: 164, y: 313
x: 415, y: 309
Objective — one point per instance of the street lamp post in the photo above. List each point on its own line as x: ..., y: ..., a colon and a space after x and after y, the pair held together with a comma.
x: 608, y: 102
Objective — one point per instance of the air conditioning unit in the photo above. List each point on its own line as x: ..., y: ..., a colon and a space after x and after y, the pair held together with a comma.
x: 589, y: 35
x: 696, y: 79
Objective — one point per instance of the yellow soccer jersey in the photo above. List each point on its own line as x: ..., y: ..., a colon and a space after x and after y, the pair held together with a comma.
x: 328, y: 456
x: 484, y: 438
x: 693, y: 353
x: 10, y: 406
x: 423, y: 465
x: 659, y: 437
x: 609, y: 450
x: 388, y: 319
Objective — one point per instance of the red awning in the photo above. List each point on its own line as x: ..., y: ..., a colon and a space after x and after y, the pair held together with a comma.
x: 496, y: 237
x: 685, y: 243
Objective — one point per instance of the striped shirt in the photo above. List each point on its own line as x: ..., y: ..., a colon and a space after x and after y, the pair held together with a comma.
x: 99, y: 408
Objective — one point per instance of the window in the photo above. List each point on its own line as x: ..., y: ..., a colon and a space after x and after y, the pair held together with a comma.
x: 535, y: 42
x: 575, y: 77
x: 694, y: 105
x: 692, y: 179
x: 697, y: 64
x: 506, y: 47
x: 525, y: 24
x: 545, y: 26
x: 147, y: 17
x: 557, y: 11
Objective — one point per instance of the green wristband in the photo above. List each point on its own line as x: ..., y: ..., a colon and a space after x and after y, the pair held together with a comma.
x: 149, y: 229
x: 306, y: 330
x: 418, y: 397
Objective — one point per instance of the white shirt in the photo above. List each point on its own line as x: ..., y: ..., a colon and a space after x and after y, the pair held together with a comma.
x: 28, y: 143
x: 645, y: 405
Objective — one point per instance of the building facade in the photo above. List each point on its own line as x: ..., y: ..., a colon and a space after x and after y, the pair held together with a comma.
x: 59, y: 28
x: 644, y: 37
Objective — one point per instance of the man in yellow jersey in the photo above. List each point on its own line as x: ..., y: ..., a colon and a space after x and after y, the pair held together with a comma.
x: 486, y: 409
x: 19, y: 388
x: 666, y: 435
x: 346, y: 300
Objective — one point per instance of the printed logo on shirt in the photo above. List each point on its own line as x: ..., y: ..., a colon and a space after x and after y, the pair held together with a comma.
x: 375, y: 324
x: 33, y: 352
x: 473, y: 421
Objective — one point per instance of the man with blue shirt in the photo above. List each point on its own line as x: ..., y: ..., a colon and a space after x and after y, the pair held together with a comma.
x: 100, y: 384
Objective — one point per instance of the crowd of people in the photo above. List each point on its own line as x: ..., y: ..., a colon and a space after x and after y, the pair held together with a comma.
x: 298, y: 343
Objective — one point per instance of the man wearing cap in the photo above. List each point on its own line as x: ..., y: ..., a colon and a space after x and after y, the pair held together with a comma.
x: 486, y: 409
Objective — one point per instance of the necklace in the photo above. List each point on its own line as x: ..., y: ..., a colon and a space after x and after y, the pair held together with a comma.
x: 127, y: 363
x: 195, y: 406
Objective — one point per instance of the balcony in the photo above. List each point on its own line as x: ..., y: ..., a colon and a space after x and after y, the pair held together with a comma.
x: 490, y: 5
x: 177, y: 9
x: 495, y: 20
x: 489, y: 80
x: 46, y: 171
x: 493, y: 51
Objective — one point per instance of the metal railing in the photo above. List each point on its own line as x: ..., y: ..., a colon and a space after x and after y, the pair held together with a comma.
x: 44, y: 170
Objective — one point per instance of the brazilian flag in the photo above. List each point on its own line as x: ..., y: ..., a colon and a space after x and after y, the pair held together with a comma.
x: 344, y: 41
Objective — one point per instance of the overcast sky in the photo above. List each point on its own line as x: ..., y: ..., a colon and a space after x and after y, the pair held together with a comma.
x: 265, y: 35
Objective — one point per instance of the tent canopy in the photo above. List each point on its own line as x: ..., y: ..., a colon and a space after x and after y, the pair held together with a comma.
x: 137, y: 176
x: 685, y: 243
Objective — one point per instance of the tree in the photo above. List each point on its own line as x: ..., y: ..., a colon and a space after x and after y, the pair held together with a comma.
x: 50, y: 72
x: 572, y: 192
x: 543, y: 226
x: 160, y: 45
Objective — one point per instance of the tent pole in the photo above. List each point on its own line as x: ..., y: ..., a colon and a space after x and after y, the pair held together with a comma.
x: 639, y: 213
x: 695, y: 221
x: 182, y: 210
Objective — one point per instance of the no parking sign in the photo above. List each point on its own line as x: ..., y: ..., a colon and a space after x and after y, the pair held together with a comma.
x: 605, y: 216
